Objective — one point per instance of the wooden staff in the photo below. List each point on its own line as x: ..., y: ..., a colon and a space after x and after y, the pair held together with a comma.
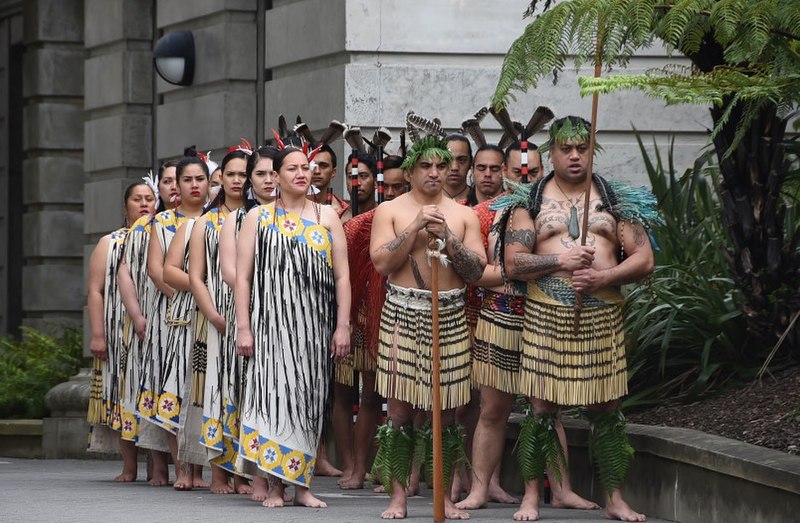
x: 585, y: 229
x: 438, y: 468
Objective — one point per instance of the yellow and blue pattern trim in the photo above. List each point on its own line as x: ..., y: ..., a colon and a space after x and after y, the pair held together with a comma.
x: 299, y: 229
x: 279, y: 460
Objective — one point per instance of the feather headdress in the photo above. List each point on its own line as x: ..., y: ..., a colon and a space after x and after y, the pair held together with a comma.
x: 433, y: 145
x: 152, y: 182
x: 243, y: 146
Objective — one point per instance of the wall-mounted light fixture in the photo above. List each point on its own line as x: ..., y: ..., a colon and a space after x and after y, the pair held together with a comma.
x: 173, y: 57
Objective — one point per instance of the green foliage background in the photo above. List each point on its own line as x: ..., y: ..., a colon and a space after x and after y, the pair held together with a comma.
x: 686, y: 334
x: 31, y: 366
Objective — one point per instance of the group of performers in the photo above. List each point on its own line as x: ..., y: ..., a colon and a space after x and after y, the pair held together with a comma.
x: 244, y: 308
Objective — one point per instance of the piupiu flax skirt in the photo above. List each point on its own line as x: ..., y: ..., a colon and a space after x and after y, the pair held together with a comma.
x: 405, y: 347
x: 565, y: 368
x: 360, y: 359
x: 498, y: 339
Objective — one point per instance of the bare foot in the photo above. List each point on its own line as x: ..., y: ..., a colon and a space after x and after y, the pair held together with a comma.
x: 528, y: 511
x: 221, y: 488
x: 455, y: 488
x: 619, y: 510
x: 199, y: 483
x: 451, y: 512
x: 126, y: 477
x: 396, y: 509
x: 159, y: 473
x: 274, y: 498
x: 412, y: 490
x: 158, y: 481
x: 197, y: 477
x: 472, y: 502
x: 346, y: 475
x: 570, y: 499
x: 183, y: 481
x: 379, y: 490
x: 304, y: 498
x: 241, y: 485
x: 260, y: 489
x: 324, y: 468
x: 219, y: 481
x: 498, y: 495
x: 354, y: 482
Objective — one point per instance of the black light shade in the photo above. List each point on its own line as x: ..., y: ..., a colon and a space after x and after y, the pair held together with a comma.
x: 173, y: 57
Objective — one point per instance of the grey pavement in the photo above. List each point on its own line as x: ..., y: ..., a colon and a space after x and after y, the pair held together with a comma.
x: 70, y: 490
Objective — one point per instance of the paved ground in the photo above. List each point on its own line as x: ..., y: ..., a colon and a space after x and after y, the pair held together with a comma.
x: 66, y: 490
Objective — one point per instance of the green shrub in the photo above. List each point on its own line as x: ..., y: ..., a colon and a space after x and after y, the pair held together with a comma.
x: 686, y: 334
x: 29, y: 367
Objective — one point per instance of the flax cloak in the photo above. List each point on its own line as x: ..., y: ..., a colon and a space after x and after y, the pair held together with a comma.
x: 164, y: 226
x: 106, y: 409
x: 292, y: 320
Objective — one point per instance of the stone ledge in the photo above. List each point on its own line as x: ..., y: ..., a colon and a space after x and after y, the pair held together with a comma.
x: 761, y: 465
x: 684, y: 475
x: 21, y: 438
x: 21, y: 427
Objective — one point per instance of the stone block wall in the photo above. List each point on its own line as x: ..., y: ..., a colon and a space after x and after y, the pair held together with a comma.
x: 118, y: 119
x: 52, y: 131
x: 376, y: 60
x: 219, y: 107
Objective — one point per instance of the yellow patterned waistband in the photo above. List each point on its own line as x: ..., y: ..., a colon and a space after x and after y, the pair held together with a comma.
x: 555, y: 290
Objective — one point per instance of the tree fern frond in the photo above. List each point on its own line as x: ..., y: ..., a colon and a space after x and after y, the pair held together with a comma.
x: 566, y: 28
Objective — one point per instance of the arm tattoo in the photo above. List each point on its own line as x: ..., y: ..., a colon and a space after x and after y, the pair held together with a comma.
x: 638, y: 235
x: 524, y: 237
x: 417, y: 275
x: 397, y: 242
x: 534, y: 264
x: 466, y: 263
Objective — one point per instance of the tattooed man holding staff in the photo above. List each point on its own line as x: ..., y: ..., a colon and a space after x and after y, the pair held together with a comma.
x: 399, y: 247
x: 561, y: 364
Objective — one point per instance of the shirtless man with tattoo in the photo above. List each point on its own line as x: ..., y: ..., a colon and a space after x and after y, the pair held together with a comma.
x: 558, y: 365
x: 496, y: 360
x: 399, y: 249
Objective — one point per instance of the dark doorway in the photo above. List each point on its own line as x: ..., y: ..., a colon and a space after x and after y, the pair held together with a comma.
x: 15, y: 182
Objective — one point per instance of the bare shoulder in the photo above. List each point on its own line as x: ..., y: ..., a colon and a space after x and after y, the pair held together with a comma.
x: 328, y: 216
x: 253, y: 213
x: 388, y: 210
x: 455, y: 209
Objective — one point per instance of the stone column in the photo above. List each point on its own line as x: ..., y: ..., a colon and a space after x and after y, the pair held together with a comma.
x: 118, y: 134
x: 52, y: 277
x: 117, y: 110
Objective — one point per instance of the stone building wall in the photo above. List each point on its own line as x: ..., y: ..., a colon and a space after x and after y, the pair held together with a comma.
x: 377, y: 59
x: 94, y: 118
x: 52, y: 151
x: 220, y: 106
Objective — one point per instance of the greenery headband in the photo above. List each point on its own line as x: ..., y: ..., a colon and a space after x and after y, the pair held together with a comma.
x: 427, y: 148
x: 569, y: 129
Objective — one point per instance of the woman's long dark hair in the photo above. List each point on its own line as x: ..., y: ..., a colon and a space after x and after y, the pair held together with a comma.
x: 128, y: 190
x: 161, y: 205
x: 219, y: 200
x: 265, y: 151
